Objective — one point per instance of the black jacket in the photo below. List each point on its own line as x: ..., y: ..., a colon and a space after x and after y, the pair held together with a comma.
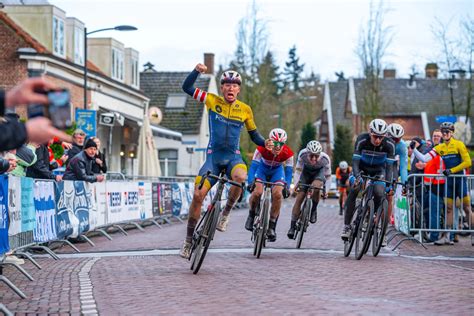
x: 4, y: 165
x: 12, y: 132
x: 98, y: 169
x: 71, y: 153
x: 40, y: 170
x: 80, y: 168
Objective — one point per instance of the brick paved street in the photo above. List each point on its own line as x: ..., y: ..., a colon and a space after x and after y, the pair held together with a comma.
x: 315, y: 280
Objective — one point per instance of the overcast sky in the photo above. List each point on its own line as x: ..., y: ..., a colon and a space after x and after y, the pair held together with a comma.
x: 174, y: 34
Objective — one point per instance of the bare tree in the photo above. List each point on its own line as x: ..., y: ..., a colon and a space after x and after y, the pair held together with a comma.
x: 468, y: 38
x: 374, y: 40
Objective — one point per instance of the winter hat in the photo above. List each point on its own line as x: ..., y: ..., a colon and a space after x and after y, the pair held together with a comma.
x: 90, y: 143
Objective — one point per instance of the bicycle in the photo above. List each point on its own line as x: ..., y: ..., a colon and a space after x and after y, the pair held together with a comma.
x: 206, y: 227
x: 305, y: 213
x: 364, y: 220
x: 262, y: 217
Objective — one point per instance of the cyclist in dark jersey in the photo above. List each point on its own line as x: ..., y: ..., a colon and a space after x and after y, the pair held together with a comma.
x: 227, y: 117
x: 374, y: 155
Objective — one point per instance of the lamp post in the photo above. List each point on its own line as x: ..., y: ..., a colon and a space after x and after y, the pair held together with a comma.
x: 116, y: 28
x: 281, y: 105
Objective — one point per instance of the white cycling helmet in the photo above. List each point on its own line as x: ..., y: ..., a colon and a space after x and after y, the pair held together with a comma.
x: 231, y: 76
x: 396, y: 130
x: 343, y: 165
x: 278, y: 135
x: 314, y: 147
x: 378, y: 127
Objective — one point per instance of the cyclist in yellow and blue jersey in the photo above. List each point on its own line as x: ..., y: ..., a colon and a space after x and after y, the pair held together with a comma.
x: 227, y: 117
x: 456, y: 158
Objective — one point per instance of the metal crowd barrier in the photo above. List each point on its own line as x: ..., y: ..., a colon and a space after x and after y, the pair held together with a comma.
x: 440, y: 206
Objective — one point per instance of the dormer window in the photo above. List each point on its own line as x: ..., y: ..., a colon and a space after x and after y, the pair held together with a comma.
x: 176, y: 100
x: 117, y: 64
x: 58, y: 37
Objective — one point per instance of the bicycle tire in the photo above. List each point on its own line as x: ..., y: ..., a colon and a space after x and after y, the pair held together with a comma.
x: 370, y: 227
x: 198, y: 243
x: 304, y: 214
x: 348, y: 244
x: 263, y: 229
x: 211, y: 229
x: 362, y: 233
x: 380, y: 227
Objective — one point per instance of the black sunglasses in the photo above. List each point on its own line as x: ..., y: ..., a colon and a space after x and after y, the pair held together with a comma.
x: 377, y: 136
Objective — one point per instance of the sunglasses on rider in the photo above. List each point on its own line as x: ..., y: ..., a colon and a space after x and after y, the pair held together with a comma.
x: 311, y: 156
x: 377, y: 136
x: 278, y: 144
x: 446, y: 131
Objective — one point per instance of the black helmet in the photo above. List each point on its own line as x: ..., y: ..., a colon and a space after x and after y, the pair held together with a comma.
x: 447, y: 125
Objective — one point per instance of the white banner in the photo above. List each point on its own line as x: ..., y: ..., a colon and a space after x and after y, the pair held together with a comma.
x: 114, y: 202
x: 131, y: 201
x: 99, y: 195
x: 400, y: 211
x: 145, y: 204
x: 14, y: 205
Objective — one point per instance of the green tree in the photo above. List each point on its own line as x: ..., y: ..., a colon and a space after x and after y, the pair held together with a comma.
x: 293, y: 70
x: 308, y: 133
x: 342, y: 146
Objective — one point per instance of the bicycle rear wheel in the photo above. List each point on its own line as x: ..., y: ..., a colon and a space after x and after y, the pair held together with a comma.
x: 370, y: 227
x: 262, y: 232
x: 349, y: 243
x: 207, y: 235
x: 304, y: 215
x: 380, y: 227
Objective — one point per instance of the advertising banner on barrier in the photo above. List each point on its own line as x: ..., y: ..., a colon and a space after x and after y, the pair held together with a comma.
x: 99, y: 194
x: 82, y: 205
x: 177, y: 198
x: 4, y: 247
x: 67, y: 223
x: 28, y: 214
x: 400, y: 211
x: 114, y: 202
x: 144, y: 197
x: 166, y: 195
x: 44, y: 202
x: 131, y: 201
x: 155, y: 199
x: 14, y: 205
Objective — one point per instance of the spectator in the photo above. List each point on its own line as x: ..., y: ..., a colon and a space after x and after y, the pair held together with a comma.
x: 99, y: 165
x: 25, y: 157
x: 40, y: 169
x: 435, y: 190
x: 13, y: 133
x: 78, y: 138
x: 80, y: 166
x: 7, y: 165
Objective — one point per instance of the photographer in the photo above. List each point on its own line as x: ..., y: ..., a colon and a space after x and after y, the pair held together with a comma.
x: 39, y: 130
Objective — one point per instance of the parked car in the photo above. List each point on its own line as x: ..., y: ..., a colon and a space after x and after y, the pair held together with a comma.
x: 332, y: 190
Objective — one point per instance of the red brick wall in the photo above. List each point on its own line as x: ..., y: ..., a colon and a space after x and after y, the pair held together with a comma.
x: 77, y: 92
x: 12, y: 69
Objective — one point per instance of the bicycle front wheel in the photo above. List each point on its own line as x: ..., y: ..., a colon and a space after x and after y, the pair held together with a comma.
x: 349, y: 243
x: 204, y: 241
x: 262, y: 230
x: 303, y: 222
x: 363, y: 236
x: 381, y: 222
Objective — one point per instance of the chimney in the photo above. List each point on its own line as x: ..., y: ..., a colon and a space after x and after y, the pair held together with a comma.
x: 389, y: 73
x: 431, y: 70
x: 209, y: 62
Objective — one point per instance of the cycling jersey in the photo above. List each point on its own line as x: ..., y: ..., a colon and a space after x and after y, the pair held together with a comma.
x: 402, y: 153
x: 308, y: 171
x: 266, y: 165
x: 342, y: 176
x: 374, y: 160
x: 454, y: 154
x: 225, y: 120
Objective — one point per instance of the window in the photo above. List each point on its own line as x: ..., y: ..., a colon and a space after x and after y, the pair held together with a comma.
x: 176, y: 100
x: 79, y: 46
x: 134, y: 72
x: 168, y: 162
x: 58, y: 37
x: 117, y: 64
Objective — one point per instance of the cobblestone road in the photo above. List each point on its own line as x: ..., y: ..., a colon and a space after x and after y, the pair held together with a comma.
x: 315, y: 280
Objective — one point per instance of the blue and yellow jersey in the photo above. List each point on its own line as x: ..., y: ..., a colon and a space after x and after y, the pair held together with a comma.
x: 225, y: 120
x: 454, y: 154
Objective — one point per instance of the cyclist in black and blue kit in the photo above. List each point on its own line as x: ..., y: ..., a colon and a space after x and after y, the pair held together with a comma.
x: 374, y: 155
x: 227, y: 117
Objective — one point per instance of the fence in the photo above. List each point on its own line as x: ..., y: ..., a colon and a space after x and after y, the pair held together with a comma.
x: 434, y: 205
x: 34, y: 213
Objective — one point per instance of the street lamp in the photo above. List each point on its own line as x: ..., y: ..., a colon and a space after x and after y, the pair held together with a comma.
x: 116, y: 28
x: 281, y: 105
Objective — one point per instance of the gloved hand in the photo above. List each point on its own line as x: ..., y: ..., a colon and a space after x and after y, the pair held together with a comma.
x: 251, y: 187
x: 447, y: 172
x: 359, y: 178
x: 416, y: 142
x: 286, y: 193
x: 388, y: 189
x: 404, y: 191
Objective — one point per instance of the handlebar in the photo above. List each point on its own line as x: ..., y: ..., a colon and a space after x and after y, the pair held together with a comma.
x: 302, y: 185
x: 382, y: 180
x: 265, y: 183
x: 222, y: 179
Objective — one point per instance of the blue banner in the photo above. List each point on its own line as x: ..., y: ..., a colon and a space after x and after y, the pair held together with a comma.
x: 45, y: 228
x: 4, y: 246
x: 177, y: 199
x: 446, y: 118
x: 63, y: 210
x: 81, y: 206
x: 28, y: 215
x: 87, y: 121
